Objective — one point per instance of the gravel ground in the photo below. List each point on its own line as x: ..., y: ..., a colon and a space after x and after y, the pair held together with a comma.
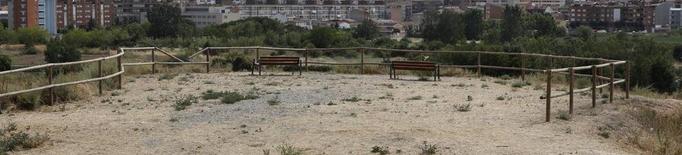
x: 313, y: 116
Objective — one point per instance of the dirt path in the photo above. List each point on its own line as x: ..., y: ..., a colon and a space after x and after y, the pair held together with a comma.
x: 142, y: 120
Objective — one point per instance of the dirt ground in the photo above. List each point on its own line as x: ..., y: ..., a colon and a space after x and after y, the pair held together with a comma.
x: 314, y: 114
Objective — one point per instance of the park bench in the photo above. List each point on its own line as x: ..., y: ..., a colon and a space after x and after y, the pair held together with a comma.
x: 414, y: 65
x: 282, y: 61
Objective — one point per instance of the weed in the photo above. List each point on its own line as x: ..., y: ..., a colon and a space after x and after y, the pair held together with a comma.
x: 604, y: 134
x: 167, y: 77
x: 415, y: 98
x: 502, y: 82
x: 209, y: 82
x: 463, y: 108
x: 484, y: 86
x: 274, y: 101
x: 500, y: 98
x: 210, y: 95
x: 520, y: 84
x: 286, y: 149
x: 505, y: 77
x: 11, y: 139
x: 331, y: 103
x: 564, y: 115
x: 428, y: 149
x: 184, y: 102
x: 469, y: 98
x: 234, y: 97
x: 382, y: 150
x: 353, y: 99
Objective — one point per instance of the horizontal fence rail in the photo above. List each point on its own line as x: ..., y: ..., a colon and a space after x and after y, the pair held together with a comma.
x: 598, y: 79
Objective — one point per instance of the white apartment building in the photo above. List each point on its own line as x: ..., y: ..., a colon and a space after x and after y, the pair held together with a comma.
x: 203, y: 16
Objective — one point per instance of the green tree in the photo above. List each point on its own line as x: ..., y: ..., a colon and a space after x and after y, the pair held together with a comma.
x: 511, y: 23
x: 677, y: 53
x: 58, y: 51
x: 543, y: 25
x: 663, y: 77
x: 166, y: 21
x: 367, y: 30
x: 474, y: 24
x: 322, y: 37
x: 32, y: 35
x: 447, y: 27
x: 583, y: 32
x: 5, y: 63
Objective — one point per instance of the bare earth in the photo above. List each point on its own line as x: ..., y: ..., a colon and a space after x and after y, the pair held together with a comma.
x: 142, y: 120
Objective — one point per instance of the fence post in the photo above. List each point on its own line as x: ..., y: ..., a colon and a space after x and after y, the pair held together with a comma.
x: 257, y: 53
x: 523, y: 67
x: 611, y: 85
x: 305, y: 56
x: 594, y: 86
x: 154, y: 61
x: 208, y: 60
x: 601, y: 81
x: 120, y: 68
x: 49, y: 82
x: 99, y: 75
x: 548, y: 96
x: 570, y: 89
x: 627, y: 80
x: 362, y: 60
x: 478, y: 67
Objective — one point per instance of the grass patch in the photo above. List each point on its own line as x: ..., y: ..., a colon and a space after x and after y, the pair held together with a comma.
x: 382, y: 150
x: 520, y: 84
x: 415, y: 98
x: 428, y: 149
x: 286, y: 149
x: 352, y: 99
x: 167, y: 77
x: 502, y: 82
x: 563, y: 115
x: 463, y: 108
x: 12, y: 139
x: 183, y: 102
x: 234, y: 97
x: 274, y: 101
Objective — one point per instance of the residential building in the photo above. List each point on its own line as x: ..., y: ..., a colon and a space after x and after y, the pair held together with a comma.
x: 203, y: 16
x: 134, y: 11
x: 22, y: 13
x: 85, y: 13
x: 613, y: 16
x: 47, y: 15
x: 676, y: 16
x: 313, y: 12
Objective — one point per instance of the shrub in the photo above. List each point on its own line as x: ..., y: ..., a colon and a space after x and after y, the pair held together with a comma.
x: 210, y: 95
x: 5, y: 63
x: 28, y: 101
x: 463, y: 108
x: 184, y: 102
x: 239, y: 64
x: 353, y: 99
x: 234, y: 97
x: 382, y: 150
x: 30, y: 50
x: 11, y: 139
x: 415, y: 98
x: 59, y: 52
x: 286, y: 149
x: 520, y: 84
x: 564, y: 115
x: 428, y: 149
x: 274, y: 101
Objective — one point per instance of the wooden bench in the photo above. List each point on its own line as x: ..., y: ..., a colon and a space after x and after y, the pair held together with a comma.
x: 285, y: 61
x: 414, y: 65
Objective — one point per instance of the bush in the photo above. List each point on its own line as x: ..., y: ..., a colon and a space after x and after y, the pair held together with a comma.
x: 234, y: 97
x: 239, y: 64
x: 184, y: 102
x: 5, y: 63
x: 30, y: 50
x: 11, y: 139
x: 59, y: 52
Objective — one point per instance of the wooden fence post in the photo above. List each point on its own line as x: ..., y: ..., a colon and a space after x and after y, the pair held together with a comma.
x: 627, y: 80
x: 154, y: 61
x: 99, y: 75
x: 362, y: 60
x: 601, y: 81
x: 49, y: 82
x: 548, y: 96
x: 120, y: 68
x: 594, y: 86
x: 257, y: 53
x: 208, y: 60
x: 571, y: 81
x: 523, y: 69
x: 305, y: 56
x: 479, y: 65
x: 611, y: 86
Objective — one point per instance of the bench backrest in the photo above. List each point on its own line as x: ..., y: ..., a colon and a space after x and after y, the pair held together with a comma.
x: 279, y: 60
x: 413, y: 65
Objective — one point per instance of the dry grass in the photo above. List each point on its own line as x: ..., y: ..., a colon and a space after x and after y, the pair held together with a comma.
x: 660, y: 133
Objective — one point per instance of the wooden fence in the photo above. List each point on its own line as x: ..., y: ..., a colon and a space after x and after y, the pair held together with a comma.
x: 598, y: 80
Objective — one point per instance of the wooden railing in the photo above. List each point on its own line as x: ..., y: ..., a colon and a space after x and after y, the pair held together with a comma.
x: 570, y: 72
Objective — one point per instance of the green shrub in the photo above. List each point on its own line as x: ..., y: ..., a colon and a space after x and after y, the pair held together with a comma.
x: 30, y: 50
x: 234, y: 97
x: 184, y: 102
x: 5, y: 63
x: 382, y: 150
x: 28, y: 101
x: 239, y: 64
x: 11, y: 139
x: 428, y: 149
x: 59, y: 52
x: 286, y: 149
x: 463, y: 108
x: 520, y: 84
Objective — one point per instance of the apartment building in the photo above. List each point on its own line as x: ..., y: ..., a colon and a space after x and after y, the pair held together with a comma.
x: 613, y: 16
x: 312, y: 12
x: 85, y: 13
x: 133, y: 11
x: 203, y: 16
x: 22, y: 13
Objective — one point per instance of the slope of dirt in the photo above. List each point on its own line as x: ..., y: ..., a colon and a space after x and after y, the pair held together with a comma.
x: 312, y: 115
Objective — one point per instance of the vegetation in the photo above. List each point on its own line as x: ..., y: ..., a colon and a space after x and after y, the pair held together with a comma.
x: 286, y: 149
x: 234, y: 97
x: 184, y: 102
x: 12, y: 139
x: 5, y: 63
x: 428, y: 149
x: 58, y: 51
x: 382, y: 150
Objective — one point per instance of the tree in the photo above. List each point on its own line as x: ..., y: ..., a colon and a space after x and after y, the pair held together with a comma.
x: 584, y: 32
x: 166, y: 21
x: 474, y: 24
x: 58, y: 51
x: 511, y: 23
x: 543, y: 25
x: 5, y: 63
x: 447, y: 27
x: 677, y: 53
x: 367, y: 30
x: 663, y: 77
x: 32, y: 35
x: 322, y: 37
